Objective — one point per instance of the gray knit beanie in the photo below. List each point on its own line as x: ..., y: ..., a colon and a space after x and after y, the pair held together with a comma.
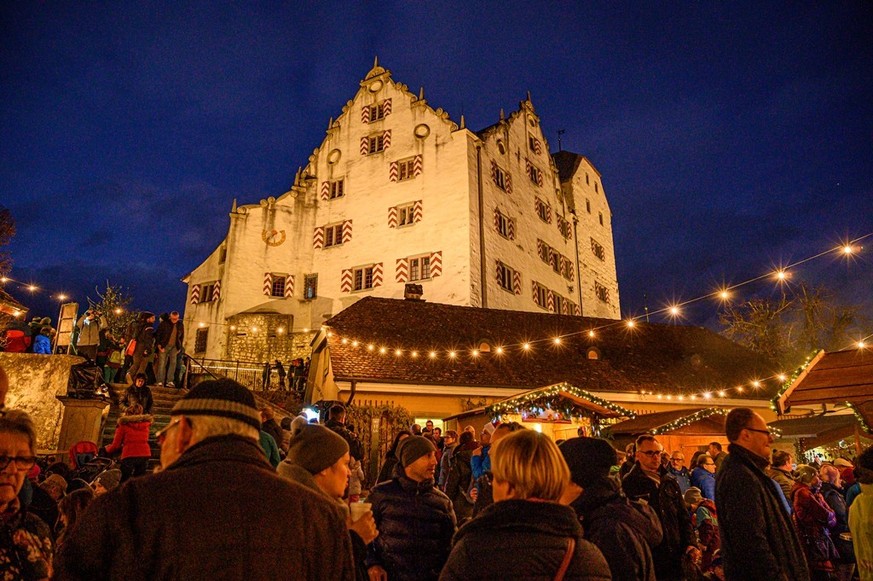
x: 413, y: 448
x: 315, y: 448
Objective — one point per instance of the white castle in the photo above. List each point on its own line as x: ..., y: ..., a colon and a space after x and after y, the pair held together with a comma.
x: 398, y: 193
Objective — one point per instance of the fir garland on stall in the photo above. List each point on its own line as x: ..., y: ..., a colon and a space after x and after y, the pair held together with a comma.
x: 549, y: 398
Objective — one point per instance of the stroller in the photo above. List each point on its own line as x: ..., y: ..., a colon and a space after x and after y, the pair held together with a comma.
x: 86, y: 381
x: 86, y: 463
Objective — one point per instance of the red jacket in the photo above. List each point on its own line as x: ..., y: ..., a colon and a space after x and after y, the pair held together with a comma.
x: 132, y: 437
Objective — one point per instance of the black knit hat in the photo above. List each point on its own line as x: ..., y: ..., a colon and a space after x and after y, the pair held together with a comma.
x: 223, y: 398
x: 315, y: 448
x: 413, y: 448
x: 589, y: 459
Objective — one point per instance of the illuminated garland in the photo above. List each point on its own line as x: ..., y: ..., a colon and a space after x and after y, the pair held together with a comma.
x: 549, y: 398
x: 686, y: 420
x: 790, y: 381
x: 863, y: 423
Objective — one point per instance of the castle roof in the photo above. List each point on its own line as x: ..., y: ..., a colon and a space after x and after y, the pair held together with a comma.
x: 657, y: 358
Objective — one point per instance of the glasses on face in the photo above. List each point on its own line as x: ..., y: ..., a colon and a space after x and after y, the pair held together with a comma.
x: 161, y: 436
x: 767, y: 432
x: 22, y: 463
x: 678, y: 460
x: 650, y: 453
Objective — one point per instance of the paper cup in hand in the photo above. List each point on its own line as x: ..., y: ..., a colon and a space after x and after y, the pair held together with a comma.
x: 359, y: 509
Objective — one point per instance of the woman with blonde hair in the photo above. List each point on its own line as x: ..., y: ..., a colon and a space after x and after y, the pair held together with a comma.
x: 538, y: 537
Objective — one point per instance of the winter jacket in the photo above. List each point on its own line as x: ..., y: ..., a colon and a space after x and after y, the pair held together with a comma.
x: 387, y: 470
x: 300, y: 475
x: 132, y: 437
x: 666, y: 499
x: 683, y: 478
x: 837, y: 503
x: 273, y: 428
x: 705, y: 481
x: 270, y: 448
x: 89, y: 331
x: 861, y: 525
x: 445, y: 465
x: 42, y: 345
x: 458, y: 483
x: 813, y: 518
x: 416, y: 523
x: 481, y: 463
x: 625, y: 531
x: 165, y: 329
x: 205, y: 517
x: 25, y: 544
x: 705, y: 521
x: 522, y: 539
x: 784, y: 479
x: 758, y: 539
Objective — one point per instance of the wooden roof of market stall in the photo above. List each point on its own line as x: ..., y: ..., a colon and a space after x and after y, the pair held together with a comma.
x: 818, y: 430
x: 683, y: 422
x: 572, y: 395
x: 840, y: 377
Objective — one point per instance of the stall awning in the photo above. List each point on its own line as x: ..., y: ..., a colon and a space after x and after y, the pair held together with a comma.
x: 684, y: 422
x: 818, y: 430
x: 559, y: 397
x: 841, y: 377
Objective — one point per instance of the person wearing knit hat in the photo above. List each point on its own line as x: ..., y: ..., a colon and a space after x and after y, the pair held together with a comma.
x: 692, y: 497
x: 625, y: 531
x: 411, y: 497
x: 107, y: 481
x: 318, y: 458
x: 215, y: 489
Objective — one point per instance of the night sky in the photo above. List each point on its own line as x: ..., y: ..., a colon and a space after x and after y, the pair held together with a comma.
x: 732, y: 136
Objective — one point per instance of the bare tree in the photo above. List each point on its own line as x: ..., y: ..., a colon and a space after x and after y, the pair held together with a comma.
x: 7, y: 232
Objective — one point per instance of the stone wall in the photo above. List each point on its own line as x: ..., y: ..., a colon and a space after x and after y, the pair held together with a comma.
x: 260, y: 337
x: 34, y: 383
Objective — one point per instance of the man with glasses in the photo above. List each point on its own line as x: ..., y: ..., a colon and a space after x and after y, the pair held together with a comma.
x: 703, y: 476
x: 216, y: 510
x: 677, y: 470
x: 646, y: 481
x: 758, y: 540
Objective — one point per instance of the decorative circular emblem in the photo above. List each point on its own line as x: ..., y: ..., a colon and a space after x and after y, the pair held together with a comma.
x: 273, y: 237
x: 375, y: 86
x: 334, y: 156
x: 421, y: 130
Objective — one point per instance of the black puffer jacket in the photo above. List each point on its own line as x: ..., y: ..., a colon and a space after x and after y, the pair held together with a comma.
x: 758, y: 539
x: 416, y: 523
x: 676, y: 527
x: 625, y: 531
x: 522, y: 539
x: 458, y: 483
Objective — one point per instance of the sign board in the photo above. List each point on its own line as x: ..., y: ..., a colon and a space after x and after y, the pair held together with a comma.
x: 66, y: 324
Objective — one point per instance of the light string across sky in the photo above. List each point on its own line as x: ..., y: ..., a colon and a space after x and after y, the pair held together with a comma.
x: 780, y: 275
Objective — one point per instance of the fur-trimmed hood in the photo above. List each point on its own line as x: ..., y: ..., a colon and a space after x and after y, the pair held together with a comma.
x: 136, y: 418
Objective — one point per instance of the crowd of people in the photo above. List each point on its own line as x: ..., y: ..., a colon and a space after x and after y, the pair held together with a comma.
x: 506, y: 503
x: 299, y: 373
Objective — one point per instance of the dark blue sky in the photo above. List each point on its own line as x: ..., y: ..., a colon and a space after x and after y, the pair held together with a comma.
x: 731, y: 136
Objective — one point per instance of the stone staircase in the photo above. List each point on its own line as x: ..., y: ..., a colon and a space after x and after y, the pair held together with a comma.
x: 164, y: 400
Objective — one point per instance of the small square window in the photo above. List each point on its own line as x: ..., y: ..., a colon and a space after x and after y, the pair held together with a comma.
x: 504, y: 277
x: 377, y: 112
x: 337, y: 189
x: 405, y: 215
x: 500, y: 178
x: 419, y: 267
x: 544, y: 211
x: 200, y: 339
x: 207, y: 292
x: 504, y: 226
x: 333, y: 235
x: 406, y: 169
x: 278, y: 289
x: 363, y: 278
x: 310, y: 286
x: 376, y: 143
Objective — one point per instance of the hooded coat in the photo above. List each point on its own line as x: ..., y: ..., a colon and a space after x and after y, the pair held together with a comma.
x: 132, y: 437
x: 522, y: 539
x: 416, y: 522
x: 625, y: 531
x: 758, y: 540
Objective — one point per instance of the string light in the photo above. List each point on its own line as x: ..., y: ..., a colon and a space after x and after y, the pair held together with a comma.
x: 383, y: 350
x: 556, y: 340
x: 526, y: 346
x: 591, y: 333
x: 398, y: 352
x: 631, y: 324
x: 499, y: 350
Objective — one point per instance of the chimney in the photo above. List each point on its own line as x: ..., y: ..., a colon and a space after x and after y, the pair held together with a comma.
x: 412, y: 292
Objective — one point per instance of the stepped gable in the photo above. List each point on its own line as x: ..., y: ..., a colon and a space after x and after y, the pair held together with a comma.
x: 667, y: 359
